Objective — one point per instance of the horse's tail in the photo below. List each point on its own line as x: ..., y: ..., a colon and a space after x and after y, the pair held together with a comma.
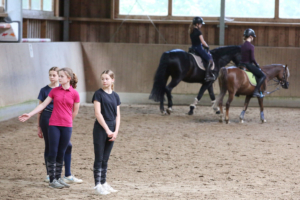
x: 223, y: 86
x: 160, y: 79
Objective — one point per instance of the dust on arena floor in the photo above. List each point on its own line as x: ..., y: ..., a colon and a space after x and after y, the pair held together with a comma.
x: 165, y: 157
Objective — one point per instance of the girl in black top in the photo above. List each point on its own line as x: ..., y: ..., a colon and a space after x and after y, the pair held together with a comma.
x: 106, y: 128
x: 247, y: 51
x: 198, y: 42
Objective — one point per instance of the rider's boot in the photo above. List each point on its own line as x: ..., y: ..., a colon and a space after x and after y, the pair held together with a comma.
x: 256, y: 92
x: 207, y: 72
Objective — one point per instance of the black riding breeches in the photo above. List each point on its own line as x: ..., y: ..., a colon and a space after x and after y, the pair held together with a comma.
x: 255, y: 70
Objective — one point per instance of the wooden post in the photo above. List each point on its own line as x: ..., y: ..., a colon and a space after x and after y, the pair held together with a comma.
x: 170, y: 7
x: 56, y: 8
x: 222, y: 24
x: 112, y: 9
x: 25, y: 28
x: 276, y: 10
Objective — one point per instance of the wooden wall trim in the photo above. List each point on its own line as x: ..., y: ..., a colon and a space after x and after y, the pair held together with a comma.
x: 235, y: 23
x: 42, y: 15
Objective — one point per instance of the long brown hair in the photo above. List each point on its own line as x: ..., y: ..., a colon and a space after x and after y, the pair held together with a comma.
x: 111, y: 74
x: 191, y: 28
x: 72, y: 75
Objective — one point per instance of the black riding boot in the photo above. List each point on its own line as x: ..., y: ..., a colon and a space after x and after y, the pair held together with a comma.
x: 256, y: 92
x: 207, y: 72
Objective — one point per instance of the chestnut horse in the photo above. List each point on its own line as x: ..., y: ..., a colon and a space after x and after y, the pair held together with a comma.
x: 235, y: 81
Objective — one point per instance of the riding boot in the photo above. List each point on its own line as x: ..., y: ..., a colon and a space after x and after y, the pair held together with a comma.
x: 207, y: 72
x: 256, y: 92
x: 58, y: 169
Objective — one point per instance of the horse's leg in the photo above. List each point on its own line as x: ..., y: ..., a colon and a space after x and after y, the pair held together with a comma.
x: 261, y: 105
x: 174, y: 82
x: 242, y: 115
x: 213, y: 98
x: 221, y: 109
x: 197, y: 99
x: 230, y: 98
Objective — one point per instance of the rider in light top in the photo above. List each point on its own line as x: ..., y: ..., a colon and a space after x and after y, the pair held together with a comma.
x: 247, y: 50
x: 198, y: 43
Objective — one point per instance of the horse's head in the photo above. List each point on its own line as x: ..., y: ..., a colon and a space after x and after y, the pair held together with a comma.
x: 280, y: 72
x: 283, y: 77
x: 223, y: 55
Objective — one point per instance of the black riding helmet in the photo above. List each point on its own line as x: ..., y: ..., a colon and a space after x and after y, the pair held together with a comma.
x: 249, y: 32
x: 198, y: 20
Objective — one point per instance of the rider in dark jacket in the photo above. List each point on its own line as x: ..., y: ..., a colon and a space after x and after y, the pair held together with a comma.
x: 198, y: 43
x: 247, y: 50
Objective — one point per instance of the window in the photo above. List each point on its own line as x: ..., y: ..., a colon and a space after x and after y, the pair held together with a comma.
x: 25, y: 4
x: 144, y: 7
x: 45, y: 5
x: 36, y: 4
x: 2, y: 2
x: 289, y: 9
x: 211, y: 8
x: 250, y: 8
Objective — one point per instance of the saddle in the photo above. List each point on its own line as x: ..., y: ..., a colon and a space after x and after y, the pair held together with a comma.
x: 198, y: 59
x: 251, y: 77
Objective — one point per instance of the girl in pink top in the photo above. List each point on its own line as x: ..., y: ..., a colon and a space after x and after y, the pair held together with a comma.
x: 65, y: 108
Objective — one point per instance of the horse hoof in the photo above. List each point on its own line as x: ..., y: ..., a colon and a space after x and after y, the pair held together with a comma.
x: 263, y: 121
x: 191, y: 112
x: 242, y: 121
x: 218, y: 112
x: 221, y: 119
x: 169, y: 111
x: 227, y: 121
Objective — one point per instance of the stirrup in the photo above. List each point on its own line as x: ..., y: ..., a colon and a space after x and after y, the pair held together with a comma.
x: 260, y: 95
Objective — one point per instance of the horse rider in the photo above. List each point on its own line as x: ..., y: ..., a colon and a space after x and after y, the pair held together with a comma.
x: 248, y: 60
x: 198, y: 43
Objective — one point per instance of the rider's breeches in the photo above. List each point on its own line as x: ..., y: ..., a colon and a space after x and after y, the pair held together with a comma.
x: 44, y: 124
x: 59, y: 140
x: 202, y: 53
x: 102, y: 149
x: 257, y: 73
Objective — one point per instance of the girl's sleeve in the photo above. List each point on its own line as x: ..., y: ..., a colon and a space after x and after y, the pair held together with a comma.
x: 77, y: 98
x: 97, y: 97
x: 118, y: 99
x: 41, y: 95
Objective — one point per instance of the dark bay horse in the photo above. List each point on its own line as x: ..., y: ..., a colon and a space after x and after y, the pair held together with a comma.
x: 235, y: 81
x: 181, y: 66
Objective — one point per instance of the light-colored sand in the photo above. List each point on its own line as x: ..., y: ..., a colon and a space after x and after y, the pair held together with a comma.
x: 165, y: 157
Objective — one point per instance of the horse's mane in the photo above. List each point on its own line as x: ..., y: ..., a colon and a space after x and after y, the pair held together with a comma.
x: 221, y: 51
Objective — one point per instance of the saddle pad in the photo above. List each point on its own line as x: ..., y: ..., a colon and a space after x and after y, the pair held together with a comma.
x: 200, y: 63
x: 251, y: 78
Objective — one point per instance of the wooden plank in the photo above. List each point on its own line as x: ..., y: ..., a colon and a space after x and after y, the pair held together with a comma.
x: 152, y: 33
x: 142, y: 33
x: 25, y: 28
x: 44, y: 29
x: 291, y: 36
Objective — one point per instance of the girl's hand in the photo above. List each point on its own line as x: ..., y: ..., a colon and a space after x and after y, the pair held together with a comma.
x: 24, y: 117
x: 109, y: 133
x: 40, y: 133
x: 114, y: 137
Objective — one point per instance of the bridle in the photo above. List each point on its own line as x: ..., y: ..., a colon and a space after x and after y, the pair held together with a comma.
x: 280, y: 83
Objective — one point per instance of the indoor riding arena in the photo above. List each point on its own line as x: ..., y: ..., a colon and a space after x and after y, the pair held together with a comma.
x: 158, y: 153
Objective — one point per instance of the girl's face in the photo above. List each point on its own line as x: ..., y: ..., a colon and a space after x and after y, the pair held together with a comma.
x: 106, y: 81
x: 63, y: 78
x: 53, y: 76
